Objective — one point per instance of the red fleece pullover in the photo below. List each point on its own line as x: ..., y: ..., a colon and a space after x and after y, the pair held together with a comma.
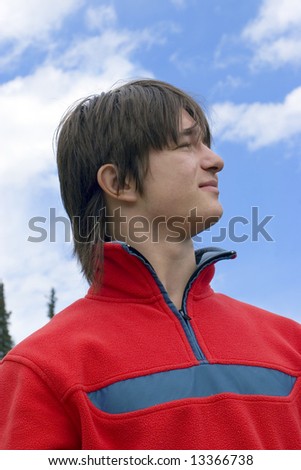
x: 124, y: 369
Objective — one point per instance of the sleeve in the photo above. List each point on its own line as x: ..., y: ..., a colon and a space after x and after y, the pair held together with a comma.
x: 31, y: 416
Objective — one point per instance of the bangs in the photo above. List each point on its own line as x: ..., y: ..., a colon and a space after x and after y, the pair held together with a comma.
x: 155, y: 112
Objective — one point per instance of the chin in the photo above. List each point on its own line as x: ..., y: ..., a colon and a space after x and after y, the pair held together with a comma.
x: 211, y: 221
x: 213, y: 217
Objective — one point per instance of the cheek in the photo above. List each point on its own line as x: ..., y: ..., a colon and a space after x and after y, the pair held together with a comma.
x: 174, y: 185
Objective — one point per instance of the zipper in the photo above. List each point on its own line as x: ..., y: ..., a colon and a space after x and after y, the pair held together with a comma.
x: 182, y: 314
x: 215, y: 255
x: 190, y: 334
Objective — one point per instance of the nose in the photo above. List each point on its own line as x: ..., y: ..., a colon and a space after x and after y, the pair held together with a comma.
x: 211, y: 161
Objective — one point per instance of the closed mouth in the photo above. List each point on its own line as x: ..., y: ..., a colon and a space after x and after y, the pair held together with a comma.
x: 209, y: 183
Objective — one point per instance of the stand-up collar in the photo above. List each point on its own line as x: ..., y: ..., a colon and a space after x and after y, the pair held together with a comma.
x: 128, y: 276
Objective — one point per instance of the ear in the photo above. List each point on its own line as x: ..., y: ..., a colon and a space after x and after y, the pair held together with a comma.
x: 107, y: 178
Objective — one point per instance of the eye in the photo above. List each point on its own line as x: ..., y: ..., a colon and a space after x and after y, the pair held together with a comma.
x: 184, y: 145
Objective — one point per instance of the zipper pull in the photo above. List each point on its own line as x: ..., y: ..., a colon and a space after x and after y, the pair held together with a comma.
x: 184, y: 315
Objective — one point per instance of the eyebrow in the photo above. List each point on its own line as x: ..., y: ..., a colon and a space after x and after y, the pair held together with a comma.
x: 189, y: 131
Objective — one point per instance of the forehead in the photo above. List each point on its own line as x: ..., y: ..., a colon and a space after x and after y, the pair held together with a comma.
x: 186, y: 121
x: 188, y: 126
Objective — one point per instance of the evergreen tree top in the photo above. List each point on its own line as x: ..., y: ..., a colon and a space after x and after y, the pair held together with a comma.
x: 6, y: 342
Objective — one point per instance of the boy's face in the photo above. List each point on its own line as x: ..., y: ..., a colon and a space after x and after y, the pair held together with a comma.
x: 182, y: 182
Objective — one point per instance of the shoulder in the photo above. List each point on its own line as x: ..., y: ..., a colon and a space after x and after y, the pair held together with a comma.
x: 57, y: 349
x: 243, y: 333
x: 269, y: 327
x: 256, y: 313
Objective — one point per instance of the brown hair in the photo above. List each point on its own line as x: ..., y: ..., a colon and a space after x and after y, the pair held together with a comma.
x: 119, y: 127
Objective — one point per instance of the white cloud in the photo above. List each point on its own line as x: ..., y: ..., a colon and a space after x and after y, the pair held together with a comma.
x: 275, y: 34
x: 279, y: 52
x: 30, y: 108
x: 30, y: 19
x: 274, y: 17
x: 98, y: 53
x: 32, y: 23
x: 101, y: 17
x: 228, y: 83
x: 259, y: 124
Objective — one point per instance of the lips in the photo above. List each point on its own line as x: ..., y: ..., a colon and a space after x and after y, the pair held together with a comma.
x: 209, y: 183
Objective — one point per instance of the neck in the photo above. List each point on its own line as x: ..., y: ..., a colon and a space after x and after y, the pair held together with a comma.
x: 173, y: 262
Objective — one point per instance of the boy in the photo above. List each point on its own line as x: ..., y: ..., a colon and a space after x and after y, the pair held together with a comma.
x: 151, y: 358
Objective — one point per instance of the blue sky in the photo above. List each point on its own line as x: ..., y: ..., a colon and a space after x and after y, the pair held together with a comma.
x: 242, y: 60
